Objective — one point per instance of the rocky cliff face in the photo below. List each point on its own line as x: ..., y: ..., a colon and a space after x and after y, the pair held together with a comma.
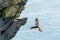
x: 7, y: 32
x: 9, y: 11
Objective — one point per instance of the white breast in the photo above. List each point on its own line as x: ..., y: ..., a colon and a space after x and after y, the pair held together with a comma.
x: 37, y: 29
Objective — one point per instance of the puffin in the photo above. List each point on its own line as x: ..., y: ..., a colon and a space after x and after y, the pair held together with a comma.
x: 36, y: 27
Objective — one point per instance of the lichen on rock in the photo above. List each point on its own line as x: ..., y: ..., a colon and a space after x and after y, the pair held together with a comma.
x: 9, y: 11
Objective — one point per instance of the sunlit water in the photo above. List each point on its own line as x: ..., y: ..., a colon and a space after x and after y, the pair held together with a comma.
x: 48, y: 13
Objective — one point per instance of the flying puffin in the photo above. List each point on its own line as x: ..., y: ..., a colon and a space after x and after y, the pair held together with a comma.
x: 36, y: 27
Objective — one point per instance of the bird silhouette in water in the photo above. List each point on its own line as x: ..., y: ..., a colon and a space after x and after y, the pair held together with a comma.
x: 36, y: 25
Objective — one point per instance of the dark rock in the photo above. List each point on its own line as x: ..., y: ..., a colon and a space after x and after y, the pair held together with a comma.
x: 9, y: 11
x: 12, y: 29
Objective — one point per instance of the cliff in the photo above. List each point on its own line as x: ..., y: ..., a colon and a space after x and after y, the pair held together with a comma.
x: 9, y: 30
x: 10, y: 10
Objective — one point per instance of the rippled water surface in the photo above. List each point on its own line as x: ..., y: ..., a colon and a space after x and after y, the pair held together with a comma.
x: 48, y: 13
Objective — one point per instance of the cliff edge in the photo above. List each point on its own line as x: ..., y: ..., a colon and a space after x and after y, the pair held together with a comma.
x: 10, y: 10
x: 9, y: 32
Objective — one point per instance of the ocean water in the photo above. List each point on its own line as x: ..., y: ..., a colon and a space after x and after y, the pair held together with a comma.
x: 48, y: 14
